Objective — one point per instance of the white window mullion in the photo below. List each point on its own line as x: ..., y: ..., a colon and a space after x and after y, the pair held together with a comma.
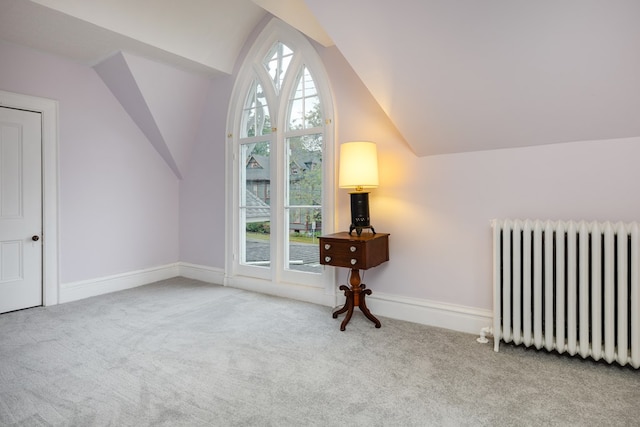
x: 276, y: 202
x: 288, y: 87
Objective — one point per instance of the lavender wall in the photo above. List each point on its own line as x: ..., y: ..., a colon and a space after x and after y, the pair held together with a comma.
x: 445, y: 255
x: 202, y: 189
x: 118, y: 200
x: 438, y: 208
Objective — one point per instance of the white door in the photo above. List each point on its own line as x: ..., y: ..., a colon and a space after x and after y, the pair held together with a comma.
x: 20, y: 209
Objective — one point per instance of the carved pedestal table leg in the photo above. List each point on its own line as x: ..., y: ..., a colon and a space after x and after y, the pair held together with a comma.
x: 355, y: 295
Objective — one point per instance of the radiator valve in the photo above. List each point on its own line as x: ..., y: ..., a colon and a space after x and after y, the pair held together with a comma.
x: 483, y: 334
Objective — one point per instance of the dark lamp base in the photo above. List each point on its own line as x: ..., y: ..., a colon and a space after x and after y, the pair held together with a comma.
x: 360, y: 213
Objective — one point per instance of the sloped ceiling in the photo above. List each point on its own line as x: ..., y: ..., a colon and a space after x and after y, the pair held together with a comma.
x: 454, y: 76
x: 200, y: 35
x: 458, y: 76
x: 166, y: 103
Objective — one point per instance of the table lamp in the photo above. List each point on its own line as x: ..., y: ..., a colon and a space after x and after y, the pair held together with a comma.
x: 359, y: 171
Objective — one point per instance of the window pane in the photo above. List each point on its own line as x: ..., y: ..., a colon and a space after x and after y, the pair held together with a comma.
x: 277, y: 62
x: 304, y: 201
x: 304, y: 105
x: 256, y: 185
x: 305, y: 226
x: 312, y: 115
x: 255, y: 114
x: 305, y: 86
x: 305, y: 170
x: 257, y: 241
x: 255, y: 199
x: 296, y: 114
x: 308, y: 83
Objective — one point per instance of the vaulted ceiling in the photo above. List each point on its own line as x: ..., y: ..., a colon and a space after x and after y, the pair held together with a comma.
x: 452, y: 76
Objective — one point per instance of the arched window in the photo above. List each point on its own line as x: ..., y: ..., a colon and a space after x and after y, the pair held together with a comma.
x: 281, y: 156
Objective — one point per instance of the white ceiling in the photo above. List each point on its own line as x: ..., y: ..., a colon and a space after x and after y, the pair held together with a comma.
x: 200, y: 35
x: 453, y: 76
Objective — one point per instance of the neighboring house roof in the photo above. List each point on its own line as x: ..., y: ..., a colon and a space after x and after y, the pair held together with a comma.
x: 258, y: 168
x: 260, y: 211
x: 309, y: 160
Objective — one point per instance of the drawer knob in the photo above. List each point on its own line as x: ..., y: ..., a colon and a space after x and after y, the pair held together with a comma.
x: 353, y: 261
x: 327, y: 259
x: 352, y: 248
x: 327, y: 246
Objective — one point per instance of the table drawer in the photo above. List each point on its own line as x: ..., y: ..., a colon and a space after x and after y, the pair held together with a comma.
x: 342, y: 254
x: 359, y: 253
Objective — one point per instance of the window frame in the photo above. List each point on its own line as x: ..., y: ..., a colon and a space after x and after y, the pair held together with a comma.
x: 253, y: 68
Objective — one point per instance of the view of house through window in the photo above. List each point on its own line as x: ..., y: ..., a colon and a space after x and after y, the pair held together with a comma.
x: 303, y: 145
x: 255, y: 211
x: 303, y: 210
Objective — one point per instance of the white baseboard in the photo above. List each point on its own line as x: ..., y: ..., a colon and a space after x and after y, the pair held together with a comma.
x: 426, y: 312
x: 202, y: 272
x: 286, y: 290
x: 88, y: 288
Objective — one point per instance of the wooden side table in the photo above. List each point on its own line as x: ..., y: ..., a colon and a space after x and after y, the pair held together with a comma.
x: 357, y: 253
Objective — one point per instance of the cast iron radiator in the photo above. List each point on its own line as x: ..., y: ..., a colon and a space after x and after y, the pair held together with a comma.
x: 568, y: 286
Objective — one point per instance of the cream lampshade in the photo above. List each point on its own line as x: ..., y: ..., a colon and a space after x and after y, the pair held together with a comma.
x: 359, y: 171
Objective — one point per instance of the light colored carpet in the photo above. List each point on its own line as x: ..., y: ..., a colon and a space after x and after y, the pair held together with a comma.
x: 182, y: 353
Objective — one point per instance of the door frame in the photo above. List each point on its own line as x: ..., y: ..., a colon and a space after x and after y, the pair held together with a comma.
x: 48, y: 109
